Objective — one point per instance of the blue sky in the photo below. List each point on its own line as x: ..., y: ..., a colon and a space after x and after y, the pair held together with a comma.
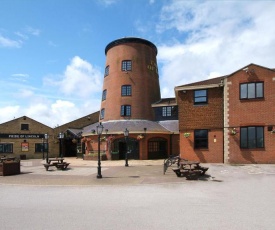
x: 52, y: 51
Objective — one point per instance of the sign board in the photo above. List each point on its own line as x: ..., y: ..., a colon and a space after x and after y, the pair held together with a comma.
x: 21, y: 136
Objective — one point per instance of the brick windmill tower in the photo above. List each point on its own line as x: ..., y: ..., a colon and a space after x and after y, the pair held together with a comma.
x: 134, y: 121
x: 131, y: 80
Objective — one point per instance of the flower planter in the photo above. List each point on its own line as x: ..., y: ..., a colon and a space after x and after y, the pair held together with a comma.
x: 9, y: 168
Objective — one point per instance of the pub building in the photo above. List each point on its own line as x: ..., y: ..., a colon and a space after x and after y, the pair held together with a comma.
x: 228, y: 119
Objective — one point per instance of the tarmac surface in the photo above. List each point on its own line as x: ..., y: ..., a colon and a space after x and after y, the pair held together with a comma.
x: 83, y: 172
x: 138, y: 197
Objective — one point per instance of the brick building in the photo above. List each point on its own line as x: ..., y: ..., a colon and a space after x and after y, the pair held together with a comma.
x: 229, y: 119
x: 24, y: 137
x: 131, y: 100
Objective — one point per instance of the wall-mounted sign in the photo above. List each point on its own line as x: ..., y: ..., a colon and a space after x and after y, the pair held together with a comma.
x: 23, y: 136
x: 24, y: 146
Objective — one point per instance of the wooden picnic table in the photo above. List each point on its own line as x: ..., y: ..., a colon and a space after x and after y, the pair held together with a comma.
x: 58, y: 162
x: 56, y: 159
x: 190, y: 169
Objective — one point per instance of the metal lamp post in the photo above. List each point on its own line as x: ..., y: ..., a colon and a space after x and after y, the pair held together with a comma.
x: 60, y: 136
x: 43, y: 147
x: 126, y: 134
x: 99, y: 130
x: 46, y: 136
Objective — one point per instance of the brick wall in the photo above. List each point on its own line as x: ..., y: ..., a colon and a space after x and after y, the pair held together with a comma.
x: 209, y: 117
x: 14, y: 127
x: 256, y: 112
x: 143, y: 78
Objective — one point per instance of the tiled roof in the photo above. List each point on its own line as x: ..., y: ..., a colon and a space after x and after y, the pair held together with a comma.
x: 134, y: 126
x: 211, y: 81
x: 172, y: 125
x: 75, y: 132
x: 165, y: 102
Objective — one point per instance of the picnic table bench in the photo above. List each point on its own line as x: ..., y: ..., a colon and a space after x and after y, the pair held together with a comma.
x: 190, y: 169
x: 57, y: 162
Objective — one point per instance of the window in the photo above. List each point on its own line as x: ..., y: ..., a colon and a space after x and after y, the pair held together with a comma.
x: 252, y: 90
x: 200, y: 96
x: 126, y: 65
x: 252, y: 137
x: 24, y: 126
x: 125, y: 110
x: 126, y: 90
x: 39, y: 147
x: 6, y: 148
x: 104, y: 93
x: 167, y: 111
x: 102, y: 113
x: 106, y: 71
x: 201, y: 138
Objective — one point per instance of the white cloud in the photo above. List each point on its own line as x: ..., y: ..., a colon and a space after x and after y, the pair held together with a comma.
x: 81, y: 78
x: 20, y: 77
x: 25, y: 93
x: 6, y: 42
x: 213, y: 39
x: 32, y: 31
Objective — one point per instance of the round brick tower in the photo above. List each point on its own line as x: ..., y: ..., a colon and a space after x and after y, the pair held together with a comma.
x: 131, y: 81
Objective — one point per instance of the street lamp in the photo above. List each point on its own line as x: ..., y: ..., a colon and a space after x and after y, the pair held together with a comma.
x: 43, y: 147
x: 46, y: 136
x: 126, y: 134
x: 99, y: 130
x: 60, y: 136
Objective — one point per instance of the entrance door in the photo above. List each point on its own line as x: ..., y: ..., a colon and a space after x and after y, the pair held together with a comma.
x: 122, y: 149
x: 69, y: 149
x: 157, y: 148
x: 120, y: 146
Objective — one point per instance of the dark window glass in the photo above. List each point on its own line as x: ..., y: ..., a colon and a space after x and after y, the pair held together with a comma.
x: 125, y: 110
x: 167, y: 111
x: 102, y: 113
x: 6, y: 148
x: 39, y: 147
x: 252, y: 137
x: 106, y: 71
x: 201, y: 138
x: 104, y: 93
x: 24, y: 126
x: 126, y: 65
x: 252, y: 90
x: 200, y: 96
x: 126, y: 90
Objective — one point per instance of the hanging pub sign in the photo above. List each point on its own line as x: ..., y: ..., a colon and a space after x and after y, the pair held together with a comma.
x: 24, y: 146
x: 21, y: 136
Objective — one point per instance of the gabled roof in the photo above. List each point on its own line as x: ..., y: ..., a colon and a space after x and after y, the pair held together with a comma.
x: 213, y: 82
x: 24, y: 118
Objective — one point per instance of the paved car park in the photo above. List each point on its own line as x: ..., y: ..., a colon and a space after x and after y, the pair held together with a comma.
x: 137, y: 197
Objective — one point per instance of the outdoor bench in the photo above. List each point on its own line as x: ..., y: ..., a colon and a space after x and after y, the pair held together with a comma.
x: 62, y: 165
x: 47, y: 166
